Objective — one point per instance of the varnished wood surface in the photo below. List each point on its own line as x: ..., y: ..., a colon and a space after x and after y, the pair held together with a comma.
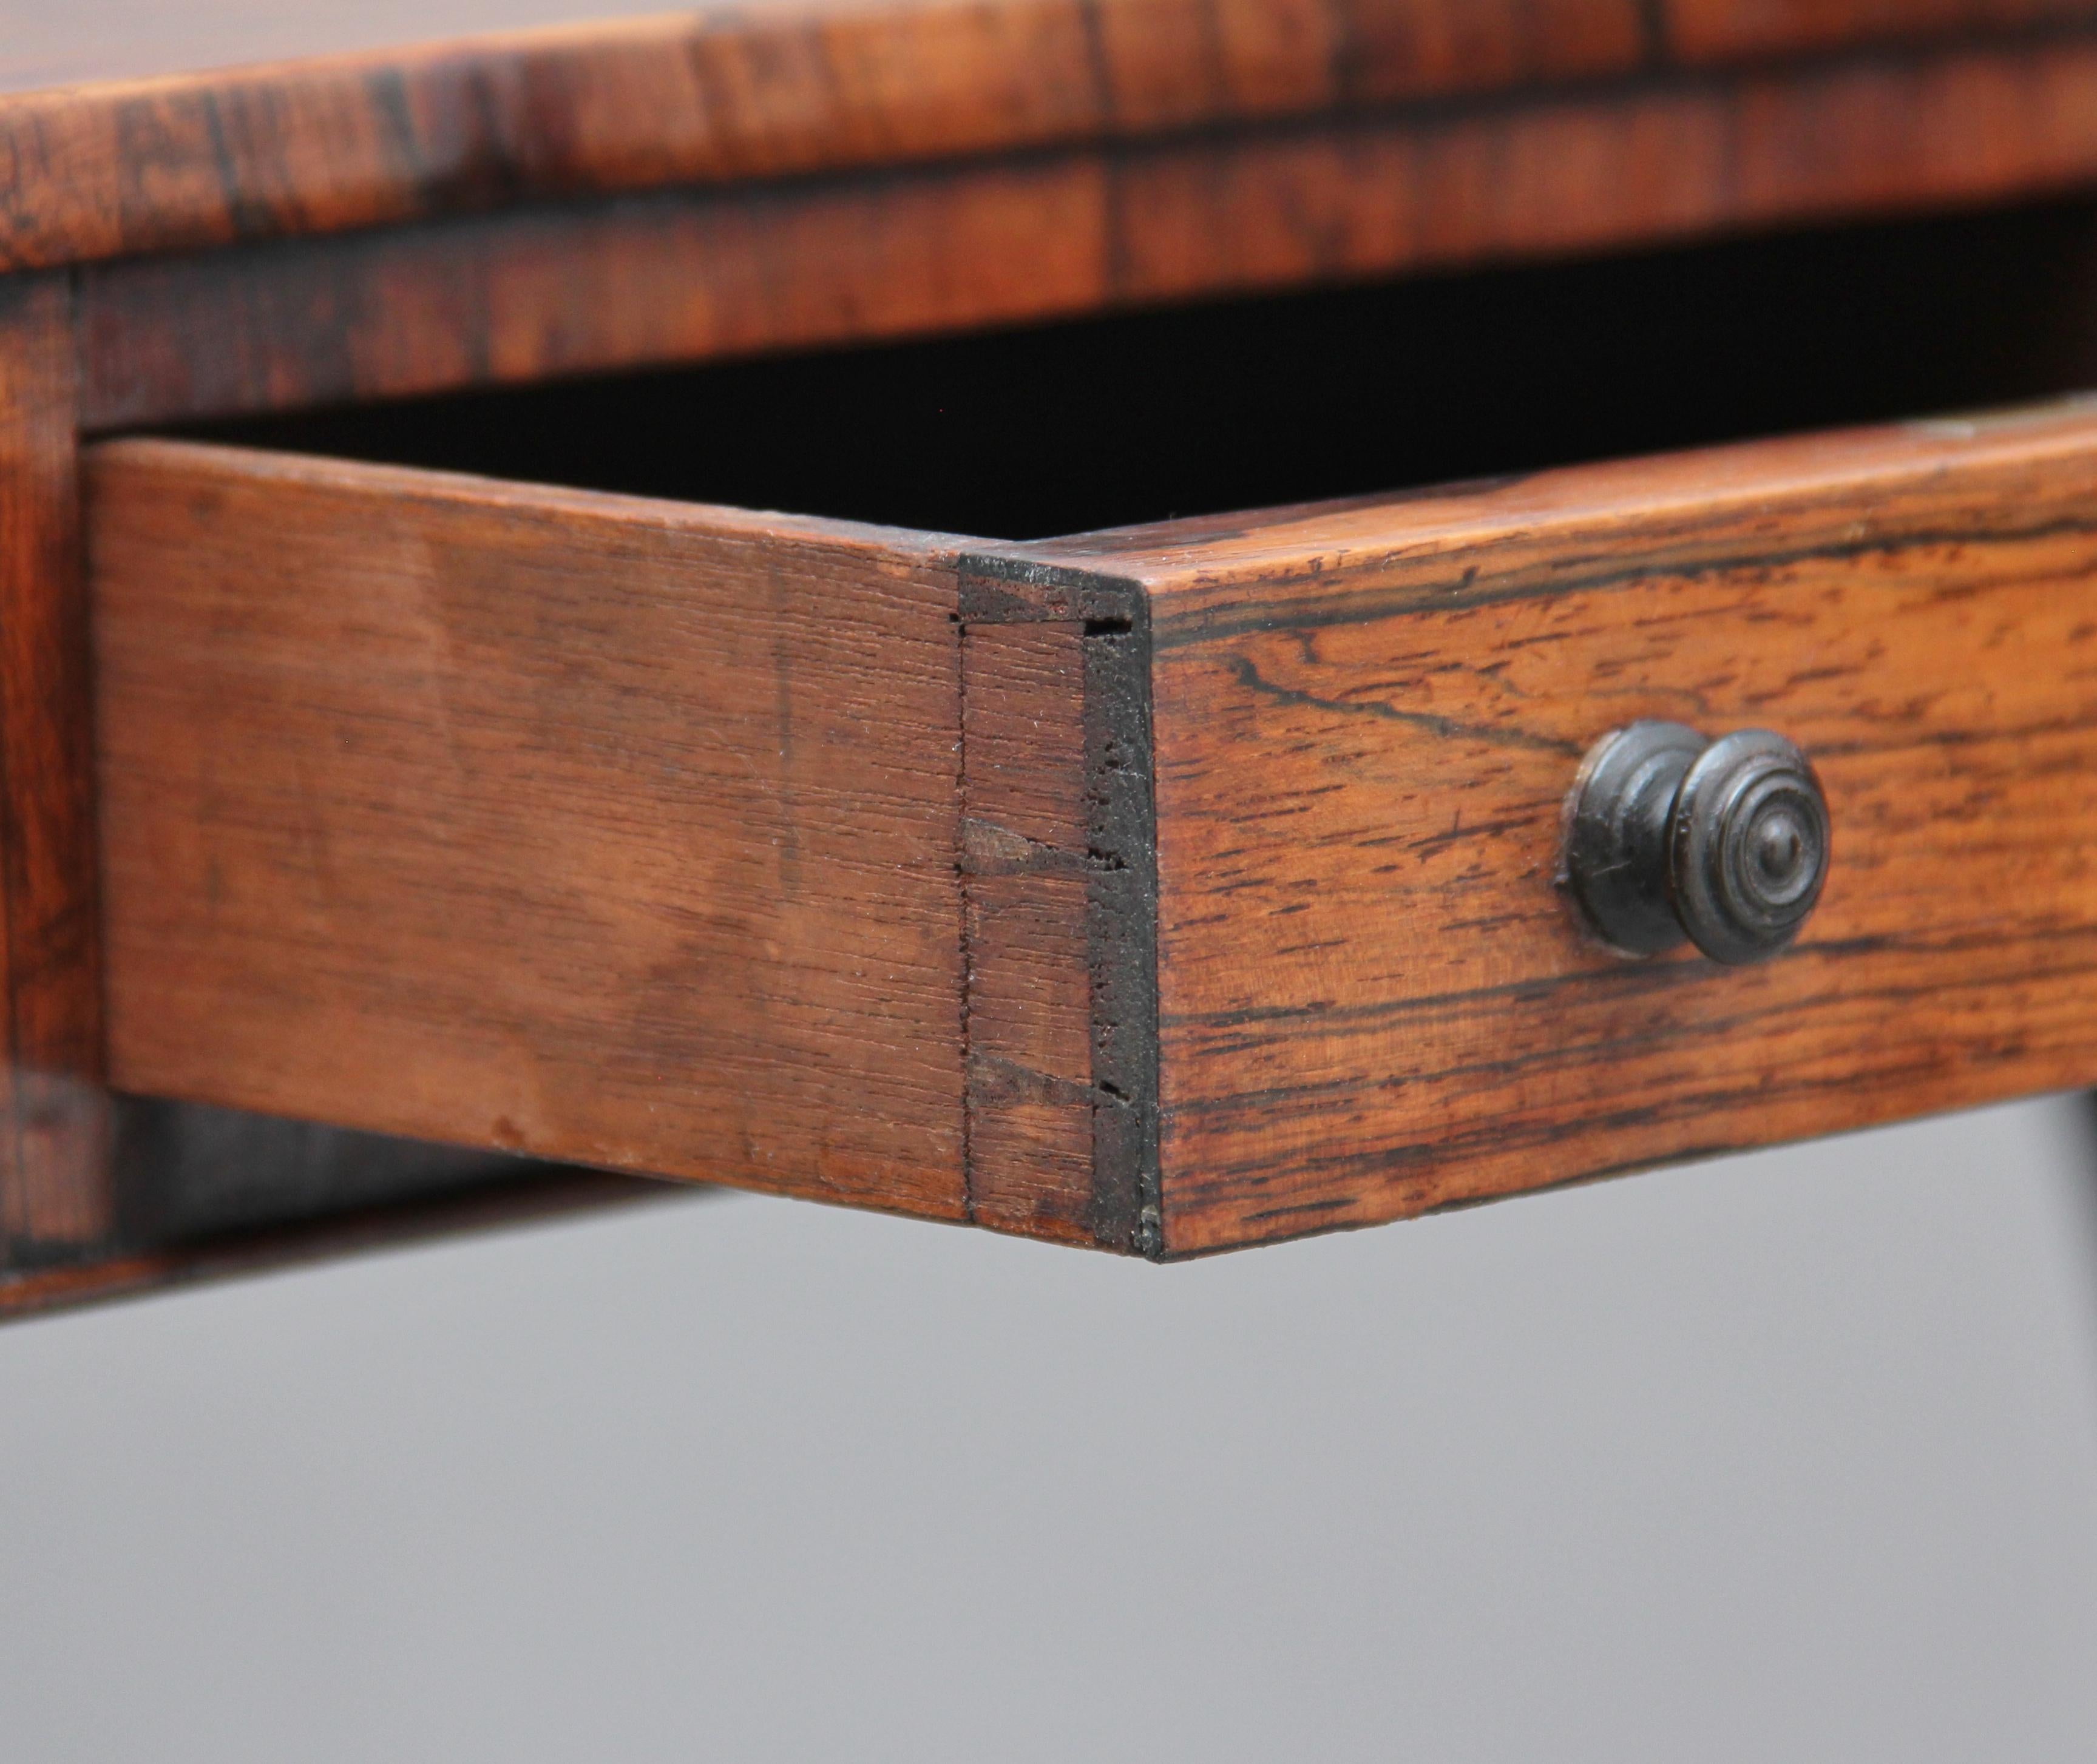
x: 924, y: 958
x: 1722, y: 30
x: 1374, y: 1001
x: 611, y: 831
x: 495, y: 831
x: 682, y: 100
x: 331, y: 144
x: 678, y: 277
x: 54, y: 1117
x: 96, y: 41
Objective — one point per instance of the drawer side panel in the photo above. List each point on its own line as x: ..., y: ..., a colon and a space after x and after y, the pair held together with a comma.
x: 610, y: 831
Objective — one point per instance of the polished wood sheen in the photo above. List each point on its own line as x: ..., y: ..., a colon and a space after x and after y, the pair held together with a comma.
x: 1722, y: 30
x: 360, y: 141
x: 54, y: 1114
x: 343, y: 142
x: 1373, y: 998
x: 602, y: 829
x: 690, y: 276
x: 103, y: 40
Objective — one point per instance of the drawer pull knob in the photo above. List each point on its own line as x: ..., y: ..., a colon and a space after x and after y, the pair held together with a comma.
x: 1724, y: 842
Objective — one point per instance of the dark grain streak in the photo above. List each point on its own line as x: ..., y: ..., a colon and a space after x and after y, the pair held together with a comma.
x: 1490, y: 734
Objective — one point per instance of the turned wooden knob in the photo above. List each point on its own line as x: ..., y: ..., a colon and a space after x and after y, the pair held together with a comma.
x: 1669, y: 836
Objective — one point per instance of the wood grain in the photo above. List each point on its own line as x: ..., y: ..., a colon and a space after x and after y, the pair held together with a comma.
x: 1024, y: 865
x: 678, y: 277
x: 1061, y: 897
x: 163, y: 165
x: 54, y: 1114
x: 1709, y: 31
x: 104, y: 41
x: 606, y: 830
x: 1234, y: 918
x: 1373, y: 1001
x: 395, y: 135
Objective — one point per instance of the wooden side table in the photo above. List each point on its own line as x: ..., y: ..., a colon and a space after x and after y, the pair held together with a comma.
x: 416, y: 725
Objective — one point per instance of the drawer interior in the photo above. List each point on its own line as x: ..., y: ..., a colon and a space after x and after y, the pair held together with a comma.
x: 1263, y: 400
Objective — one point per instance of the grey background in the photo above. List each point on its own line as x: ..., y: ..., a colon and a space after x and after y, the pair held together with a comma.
x: 1792, y: 1456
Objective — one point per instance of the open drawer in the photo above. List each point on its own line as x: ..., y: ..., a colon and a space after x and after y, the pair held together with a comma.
x: 1170, y: 888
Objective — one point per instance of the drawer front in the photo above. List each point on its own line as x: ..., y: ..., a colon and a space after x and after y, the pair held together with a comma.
x: 604, y: 830
x: 1374, y: 996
